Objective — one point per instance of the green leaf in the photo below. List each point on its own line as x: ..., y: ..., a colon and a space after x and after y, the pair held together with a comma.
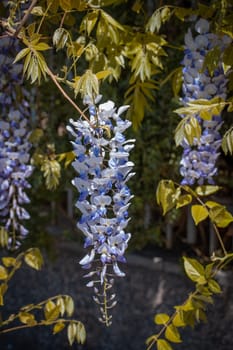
x: 183, y: 200
x: 182, y: 12
x: 61, y: 304
x: 178, y: 320
x: 52, y: 172
x: 3, y: 273
x: 41, y: 47
x: 172, y: 334
x: 51, y: 311
x: 27, y: 318
x: 9, y: 261
x: 103, y: 74
x: 227, y: 142
x: 165, y: 195
x: 204, y: 108
x: 60, y: 38
x: 161, y: 318
x: 219, y: 214
x: 206, y: 190
x: 214, y: 286
x: 65, y: 5
x: 71, y: 332
x: 193, y: 269
x: 199, y: 213
x: 69, y: 306
x: 80, y: 333
x: 163, y: 344
x: 177, y: 80
x: 21, y: 54
x: 200, y: 315
x: 58, y: 327
x: 34, y: 259
x: 3, y: 237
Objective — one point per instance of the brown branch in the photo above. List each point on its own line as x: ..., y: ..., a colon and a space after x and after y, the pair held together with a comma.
x: 24, y: 19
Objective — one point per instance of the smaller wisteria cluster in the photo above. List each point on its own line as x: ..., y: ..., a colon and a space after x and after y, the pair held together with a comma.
x: 198, y: 164
x: 14, y: 146
x: 103, y: 168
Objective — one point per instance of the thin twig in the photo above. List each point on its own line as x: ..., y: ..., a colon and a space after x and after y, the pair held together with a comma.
x: 24, y: 19
x: 53, y: 77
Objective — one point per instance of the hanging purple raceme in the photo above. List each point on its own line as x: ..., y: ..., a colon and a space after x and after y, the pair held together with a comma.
x: 14, y: 146
x: 198, y: 164
x: 103, y: 167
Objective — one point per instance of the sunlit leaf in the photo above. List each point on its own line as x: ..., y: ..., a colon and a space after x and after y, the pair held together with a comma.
x: 178, y: 320
x: 3, y: 273
x: 161, y: 318
x: 165, y: 195
x: 21, y: 54
x: 58, y: 327
x: 172, y: 334
x: 227, y: 142
x: 183, y: 200
x: 163, y: 344
x: 193, y: 269
x: 71, y: 332
x: 199, y: 213
x: 69, y: 305
x: 80, y: 333
x: 206, y: 190
x: 9, y: 261
x: 27, y: 318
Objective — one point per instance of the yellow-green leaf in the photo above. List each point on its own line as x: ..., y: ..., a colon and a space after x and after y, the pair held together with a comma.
x: 206, y: 190
x: 34, y: 259
x: 9, y: 261
x: 27, y: 318
x: 80, y: 333
x: 183, y: 200
x: 51, y: 311
x: 41, y: 47
x: 103, y: 74
x: 161, y: 318
x: 163, y: 344
x: 59, y: 326
x: 65, y: 5
x: 165, y: 195
x: 220, y: 215
x: 214, y: 286
x: 178, y: 320
x: 3, y: 273
x: 193, y: 269
x: 71, y: 332
x: 172, y: 334
x: 199, y: 213
x: 69, y: 305
x: 21, y: 54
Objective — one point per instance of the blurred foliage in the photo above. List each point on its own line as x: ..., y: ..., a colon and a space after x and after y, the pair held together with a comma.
x: 55, y: 311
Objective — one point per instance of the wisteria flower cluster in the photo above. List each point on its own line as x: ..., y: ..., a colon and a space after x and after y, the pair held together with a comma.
x: 198, y: 164
x: 103, y: 167
x: 14, y: 146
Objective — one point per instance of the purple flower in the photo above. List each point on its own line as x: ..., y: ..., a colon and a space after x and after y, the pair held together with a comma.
x: 103, y: 168
x: 198, y: 164
x: 15, y: 147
